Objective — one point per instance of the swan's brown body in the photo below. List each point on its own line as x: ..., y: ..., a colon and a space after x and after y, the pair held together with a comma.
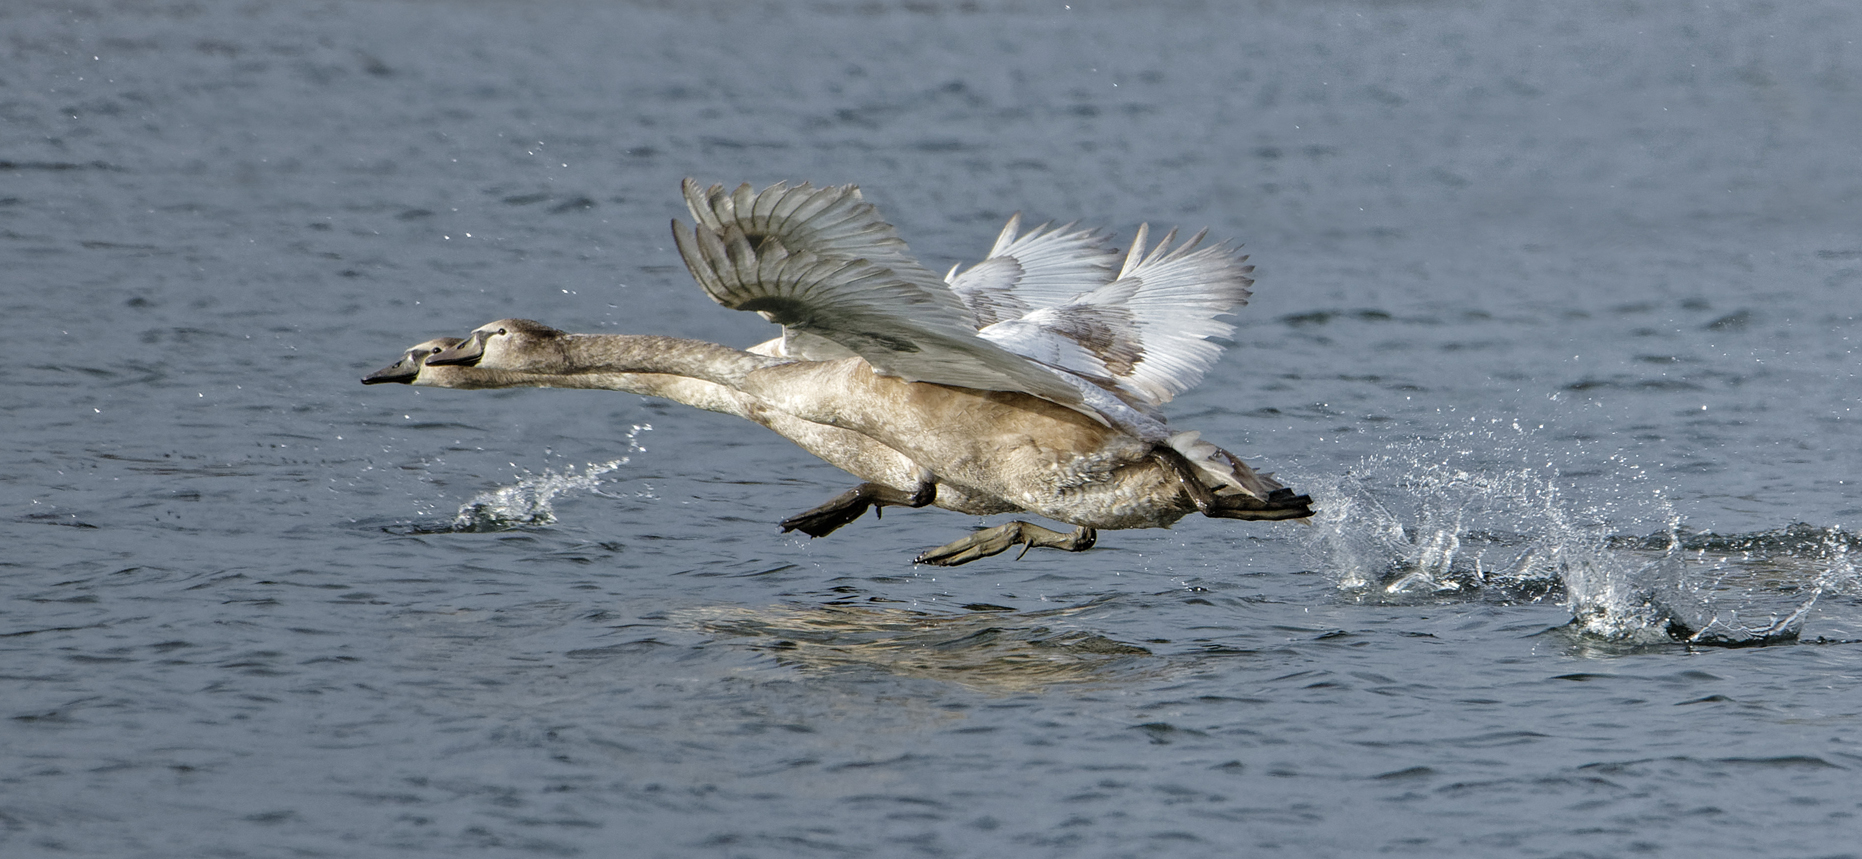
x: 1021, y: 452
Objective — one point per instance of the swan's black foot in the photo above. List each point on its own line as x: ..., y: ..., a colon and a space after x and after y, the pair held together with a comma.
x: 1280, y: 504
x: 852, y: 504
x: 991, y: 541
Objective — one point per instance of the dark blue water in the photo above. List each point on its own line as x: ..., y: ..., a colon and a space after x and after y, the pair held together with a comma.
x: 1557, y: 317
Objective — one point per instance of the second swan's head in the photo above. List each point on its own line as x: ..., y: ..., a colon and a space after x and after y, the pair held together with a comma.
x: 412, y: 369
x: 518, y: 345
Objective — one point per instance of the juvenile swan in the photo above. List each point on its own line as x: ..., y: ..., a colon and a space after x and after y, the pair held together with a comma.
x: 1032, y: 381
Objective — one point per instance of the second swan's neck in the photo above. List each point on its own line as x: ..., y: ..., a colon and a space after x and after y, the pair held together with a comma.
x: 697, y: 393
x: 671, y: 356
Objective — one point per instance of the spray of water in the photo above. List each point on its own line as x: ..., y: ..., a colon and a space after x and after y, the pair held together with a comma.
x: 530, y: 501
x: 1484, y: 513
x: 1759, y: 588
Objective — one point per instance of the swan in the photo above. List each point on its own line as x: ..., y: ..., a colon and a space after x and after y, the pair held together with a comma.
x: 1014, y: 452
x: 1030, y: 382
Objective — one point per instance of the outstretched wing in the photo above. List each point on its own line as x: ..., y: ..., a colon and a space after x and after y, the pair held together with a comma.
x: 1051, y: 312
x: 1147, y: 334
x: 832, y: 222
x: 808, y: 261
x: 1046, y: 268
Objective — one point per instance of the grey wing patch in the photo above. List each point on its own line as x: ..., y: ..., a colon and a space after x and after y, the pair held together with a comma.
x: 875, y: 340
x: 832, y: 222
x: 1109, y: 333
x: 989, y: 289
x: 779, y: 309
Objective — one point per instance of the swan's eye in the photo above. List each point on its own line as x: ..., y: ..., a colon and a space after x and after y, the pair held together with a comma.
x: 502, y: 331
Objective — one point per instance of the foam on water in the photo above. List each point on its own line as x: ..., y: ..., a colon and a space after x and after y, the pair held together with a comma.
x: 1463, y: 516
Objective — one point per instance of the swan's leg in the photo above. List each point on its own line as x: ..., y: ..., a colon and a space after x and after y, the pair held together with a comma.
x: 852, y: 504
x: 1280, y: 504
x: 990, y: 541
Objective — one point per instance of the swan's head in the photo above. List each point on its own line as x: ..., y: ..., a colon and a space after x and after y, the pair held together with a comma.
x: 517, y: 345
x: 413, y: 363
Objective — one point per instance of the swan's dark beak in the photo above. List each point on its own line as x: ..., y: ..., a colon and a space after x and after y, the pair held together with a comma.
x: 407, y: 369
x: 402, y: 371
x: 463, y: 354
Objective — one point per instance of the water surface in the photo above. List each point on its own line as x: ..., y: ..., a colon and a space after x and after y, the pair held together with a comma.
x: 1556, y: 317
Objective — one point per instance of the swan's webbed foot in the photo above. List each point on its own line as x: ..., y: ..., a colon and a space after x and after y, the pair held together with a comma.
x: 991, y: 541
x: 852, y: 504
x: 1280, y: 504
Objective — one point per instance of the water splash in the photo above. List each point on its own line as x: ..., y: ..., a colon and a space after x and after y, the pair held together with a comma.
x: 530, y: 501
x: 1759, y: 588
x: 1425, y: 520
x: 1467, y: 517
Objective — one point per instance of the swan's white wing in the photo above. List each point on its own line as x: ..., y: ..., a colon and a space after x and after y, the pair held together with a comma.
x: 898, y: 326
x: 1046, y: 268
x: 1146, y: 335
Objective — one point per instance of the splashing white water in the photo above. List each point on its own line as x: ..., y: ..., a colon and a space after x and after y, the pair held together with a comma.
x: 1453, y: 516
x: 529, y: 502
x: 1425, y: 519
x: 1758, y: 588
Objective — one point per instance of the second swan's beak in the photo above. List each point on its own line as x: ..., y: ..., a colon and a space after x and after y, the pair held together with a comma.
x: 407, y: 370
x: 402, y: 371
x: 464, y: 354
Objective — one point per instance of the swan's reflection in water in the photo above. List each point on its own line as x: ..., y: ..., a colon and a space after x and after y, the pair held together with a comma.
x: 989, y: 649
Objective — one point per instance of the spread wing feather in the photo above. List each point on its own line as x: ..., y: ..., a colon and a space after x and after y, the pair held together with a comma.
x: 1046, y: 268
x: 822, y: 262
x: 833, y: 222
x: 897, y: 326
x: 1147, y: 334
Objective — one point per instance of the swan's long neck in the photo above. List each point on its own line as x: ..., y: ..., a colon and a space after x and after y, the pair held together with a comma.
x: 668, y: 356
x: 699, y: 374
x: 697, y: 393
